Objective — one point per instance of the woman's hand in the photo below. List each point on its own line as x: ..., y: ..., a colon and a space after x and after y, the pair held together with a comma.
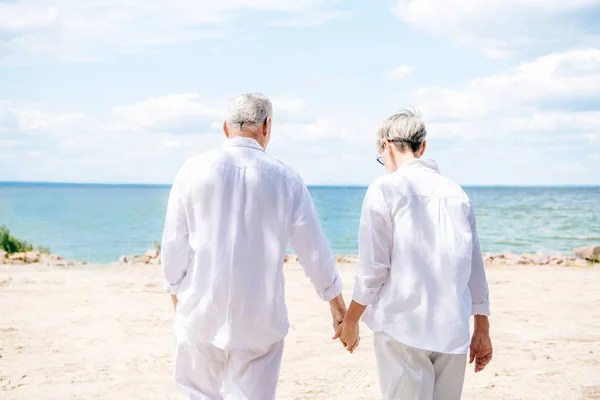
x: 348, y: 333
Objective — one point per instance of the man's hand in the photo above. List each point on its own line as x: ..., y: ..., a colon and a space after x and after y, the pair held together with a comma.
x: 347, y: 332
x: 174, y: 300
x: 480, y: 349
x: 349, y: 335
x: 338, y: 311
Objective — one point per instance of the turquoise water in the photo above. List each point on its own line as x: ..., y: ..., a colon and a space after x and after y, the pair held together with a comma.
x: 98, y: 223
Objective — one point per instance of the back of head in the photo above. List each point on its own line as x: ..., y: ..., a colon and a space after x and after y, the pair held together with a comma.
x: 405, y: 129
x: 250, y: 116
x: 249, y: 109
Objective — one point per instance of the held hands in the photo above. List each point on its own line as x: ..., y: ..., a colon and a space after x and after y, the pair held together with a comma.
x: 348, y: 333
x: 343, y: 329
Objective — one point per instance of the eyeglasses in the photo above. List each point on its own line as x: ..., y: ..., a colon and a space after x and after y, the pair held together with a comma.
x: 380, y: 160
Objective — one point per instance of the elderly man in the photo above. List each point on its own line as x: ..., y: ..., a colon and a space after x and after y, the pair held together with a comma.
x: 231, y: 213
x: 420, y: 273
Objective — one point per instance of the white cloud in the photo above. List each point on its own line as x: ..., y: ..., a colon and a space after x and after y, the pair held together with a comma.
x: 560, y: 77
x: 313, y: 18
x: 32, y: 120
x: 504, y: 27
x: 8, y: 144
x: 34, y: 30
x: 172, y: 144
x: 20, y: 17
x: 173, y: 113
x: 287, y: 106
x: 190, y: 113
x: 73, y: 147
x: 399, y: 72
x: 8, y: 117
x: 40, y: 121
x: 341, y: 127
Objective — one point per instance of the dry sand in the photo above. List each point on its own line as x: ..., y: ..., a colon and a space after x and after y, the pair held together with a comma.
x: 104, y: 332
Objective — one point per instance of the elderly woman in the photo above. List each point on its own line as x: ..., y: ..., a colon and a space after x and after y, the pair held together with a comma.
x: 420, y: 272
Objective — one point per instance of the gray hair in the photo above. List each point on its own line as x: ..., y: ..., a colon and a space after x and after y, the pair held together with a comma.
x: 405, y: 130
x: 249, y: 109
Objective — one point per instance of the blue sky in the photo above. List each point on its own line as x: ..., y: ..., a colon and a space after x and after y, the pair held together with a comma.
x: 125, y: 91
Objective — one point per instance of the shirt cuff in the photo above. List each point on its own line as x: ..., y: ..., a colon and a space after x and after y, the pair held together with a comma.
x: 365, y: 297
x: 481, y: 309
x: 333, y: 291
x: 171, y: 288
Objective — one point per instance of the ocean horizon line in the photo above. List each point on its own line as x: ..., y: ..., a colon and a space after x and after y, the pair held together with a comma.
x: 133, y: 185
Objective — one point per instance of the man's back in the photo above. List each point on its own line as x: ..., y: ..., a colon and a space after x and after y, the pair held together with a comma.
x: 241, y: 207
x: 230, y: 216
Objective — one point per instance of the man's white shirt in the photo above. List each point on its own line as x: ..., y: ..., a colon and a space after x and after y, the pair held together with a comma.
x: 231, y: 214
x: 420, y: 268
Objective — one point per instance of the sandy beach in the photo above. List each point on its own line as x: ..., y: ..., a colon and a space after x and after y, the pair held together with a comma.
x: 104, y: 332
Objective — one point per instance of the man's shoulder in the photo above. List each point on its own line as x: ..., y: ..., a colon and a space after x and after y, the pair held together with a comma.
x: 204, y: 157
x: 262, y: 161
x: 278, y: 167
x: 198, y: 163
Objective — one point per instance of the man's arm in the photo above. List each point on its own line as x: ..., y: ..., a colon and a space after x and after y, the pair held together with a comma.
x: 477, y: 282
x: 314, y: 253
x: 175, y: 248
x: 375, y: 251
x: 481, y: 343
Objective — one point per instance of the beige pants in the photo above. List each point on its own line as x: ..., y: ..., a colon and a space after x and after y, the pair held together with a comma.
x: 406, y: 373
x: 201, y: 369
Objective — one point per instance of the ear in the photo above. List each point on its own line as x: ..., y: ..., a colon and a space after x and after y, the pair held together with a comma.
x: 386, y: 145
x: 267, y: 126
x: 225, y: 129
x: 423, y: 147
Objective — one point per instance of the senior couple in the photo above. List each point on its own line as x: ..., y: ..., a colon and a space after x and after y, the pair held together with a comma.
x: 232, y: 212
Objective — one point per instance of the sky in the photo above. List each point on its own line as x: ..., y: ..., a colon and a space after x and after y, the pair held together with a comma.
x: 125, y: 91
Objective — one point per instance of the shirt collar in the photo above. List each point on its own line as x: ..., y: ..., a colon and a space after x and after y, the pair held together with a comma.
x: 422, y: 164
x: 243, y: 142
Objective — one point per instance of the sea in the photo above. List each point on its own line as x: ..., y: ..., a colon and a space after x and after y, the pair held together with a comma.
x: 99, y: 223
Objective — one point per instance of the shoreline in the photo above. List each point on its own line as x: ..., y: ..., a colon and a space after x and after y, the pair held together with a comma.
x: 581, y: 257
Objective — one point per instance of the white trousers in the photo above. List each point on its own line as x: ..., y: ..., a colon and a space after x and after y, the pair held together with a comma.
x: 201, y: 369
x: 407, y: 373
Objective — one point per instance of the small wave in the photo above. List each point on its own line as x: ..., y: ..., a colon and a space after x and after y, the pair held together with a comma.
x: 510, y: 243
x: 587, y: 238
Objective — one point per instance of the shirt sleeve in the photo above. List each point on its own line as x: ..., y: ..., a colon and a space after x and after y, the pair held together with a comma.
x: 312, y: 247
x: 478, y: 284
x: 175, y: 248
x: 375, y: 240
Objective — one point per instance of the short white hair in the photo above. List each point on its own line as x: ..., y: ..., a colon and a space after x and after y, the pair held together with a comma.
x: 405, y: 129
x: 249, y: 109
